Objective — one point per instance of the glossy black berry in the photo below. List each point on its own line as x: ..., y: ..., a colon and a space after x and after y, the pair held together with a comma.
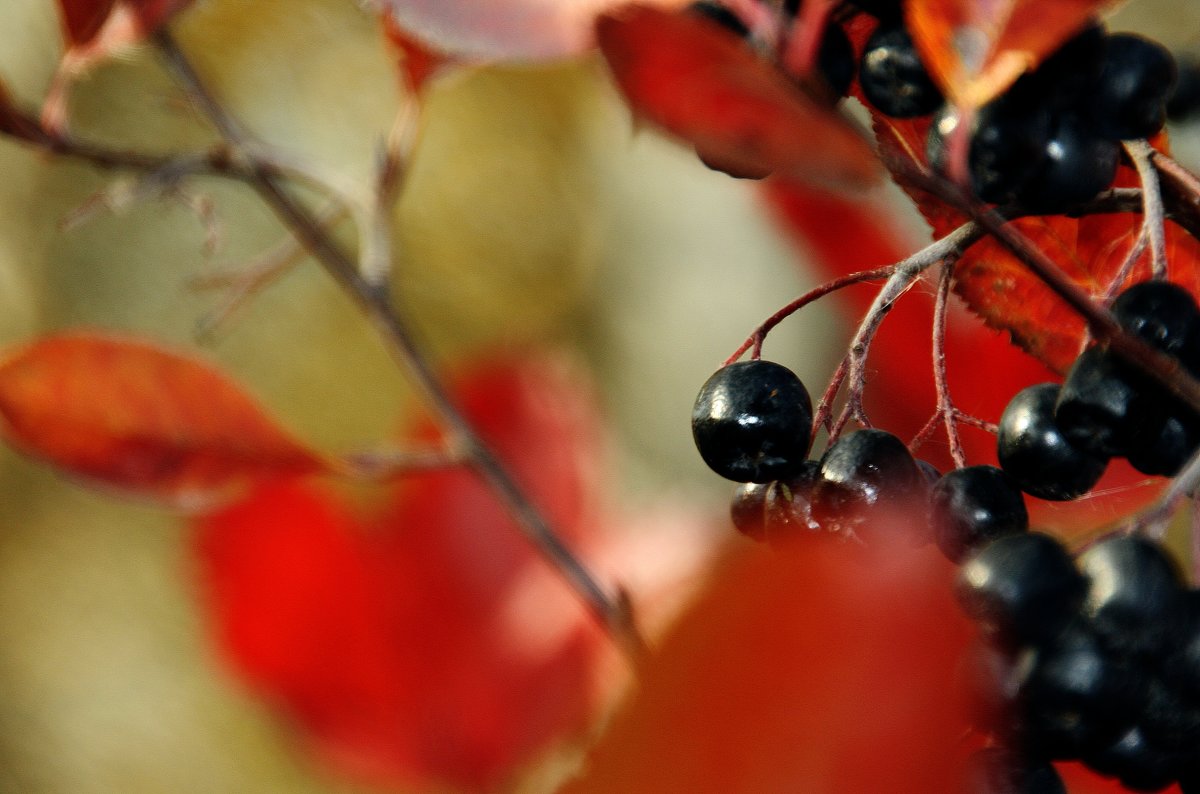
x: 1023, y: 588
x: 1008, y: 144
x: 835, y: 60
x: 1162, y: 314
x: 1103, y: 405
x: 1033, y: 451
x: 752, y: 422
x: 867, y: 475
x: 969, y: 507
x: 1181, y: 669
x: 778, y: 510
x: 1165, y: 447
x: 1134, y: 592
x: 1136, y: 761
x: 1184, y: 102
x: 1076, y: 696
x: 1076, y: 164
x: 1135, y: 82
x: 892, y: 77
x: 995, y: 770
x: 721, y: 15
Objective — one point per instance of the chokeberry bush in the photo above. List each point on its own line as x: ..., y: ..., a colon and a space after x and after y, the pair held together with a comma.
x: 961, y: 557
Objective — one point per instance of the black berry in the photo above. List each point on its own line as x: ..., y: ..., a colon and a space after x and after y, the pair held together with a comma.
x: 1034, y: 452
x: 721, y: 15
x: 892, y: 77
x: 969, y: 507
x: 866, y: 476
x: 1135, y: 83
x: 1022, y: 588
x: 1076, y: 164
x: 752, y: 422
x: 1102, y: 405
x: 1133, y: 593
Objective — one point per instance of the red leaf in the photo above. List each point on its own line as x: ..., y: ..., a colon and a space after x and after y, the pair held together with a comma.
x: 504, y: 29
x: 975, y: 50
x: 694, y: 80
x: 821, y: 668
x: 1090, y: 250
x: 140, y: 418
x: 427, y: 643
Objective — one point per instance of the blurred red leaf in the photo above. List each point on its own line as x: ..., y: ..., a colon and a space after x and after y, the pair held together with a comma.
x: 504, y: 29
x: 141, y: 419
x: 426, y: 642
x: 694, y: 80
x: 823, y: 668
x: 1090, y: 250
x: 974, y: 50
x: 131, y: 20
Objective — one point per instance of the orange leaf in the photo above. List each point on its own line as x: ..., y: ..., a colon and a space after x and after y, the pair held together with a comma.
x: 975, y: 50
x: 823, y: 668
x: 142, y: 419
x: 692, y: 79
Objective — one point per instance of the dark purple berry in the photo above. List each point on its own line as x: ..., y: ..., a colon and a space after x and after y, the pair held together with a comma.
x: 1103, y: 405
x: 778, y: 510
x: 1022, y: 588
x: 721, y: 15
x: 995, y: 770
x: 892, y: 77
x: 1076, y: 696
x: 1135, y: 760
x: 1008, y: 144
x: 972, y: 506
x: 1165, y: 447
x: 752, y: 422
x: 1076, y: 164
x: 1136, y: 80
x: 1134, y: 592
x: 865, y: 477
x: 1184, y: 103
x: 835, y: 60
x: 1163, y: 315
x: 1034, y: 452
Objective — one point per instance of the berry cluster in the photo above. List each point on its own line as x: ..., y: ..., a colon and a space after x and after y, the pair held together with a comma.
x: 1055, y: 442
x: 751, y: 423
x: 1096, y: 659
x: 1052, y: 140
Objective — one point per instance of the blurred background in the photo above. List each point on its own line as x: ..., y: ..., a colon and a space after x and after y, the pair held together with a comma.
x: 535, y: 216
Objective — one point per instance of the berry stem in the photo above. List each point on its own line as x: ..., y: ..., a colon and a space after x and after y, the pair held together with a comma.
x: 756, y: 339
x: 1153, y: 215
x: 1152, y: 522
x: 945, y: 406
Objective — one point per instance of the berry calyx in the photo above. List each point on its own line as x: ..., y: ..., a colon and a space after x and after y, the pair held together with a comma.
x: 752, y: 422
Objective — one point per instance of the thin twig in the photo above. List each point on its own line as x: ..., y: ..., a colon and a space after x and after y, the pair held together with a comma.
x: 375, y: 301
x: 945, y: 405
x: 901, y: 280
x: 756, y: 339
x: 381, y: 464
x: 1141, y: 153
x: 247, y: 280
